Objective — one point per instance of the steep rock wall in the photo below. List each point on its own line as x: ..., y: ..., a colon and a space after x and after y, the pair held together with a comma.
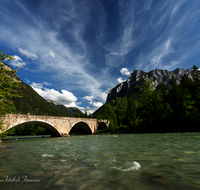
x: 157, y: 76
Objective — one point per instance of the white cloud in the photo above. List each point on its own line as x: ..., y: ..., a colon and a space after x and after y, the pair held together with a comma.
x: 120, y: 80
x: 47, y: 83
x: 78, y: 103
x: 40, y: 85
x: 124, y: 71
x: 96, y: 104
x: 89, y: 98
x: 17, y: 58
x: 102, y: 96
x: 37, y: 85
x: 65, y: 97
x: 88, y: 109
x: 99, y: 96
x: 17, y: 62
x: 28, y: 54
x: 96, y: 101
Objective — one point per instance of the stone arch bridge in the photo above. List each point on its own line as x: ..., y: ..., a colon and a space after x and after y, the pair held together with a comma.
x: 58, y: 126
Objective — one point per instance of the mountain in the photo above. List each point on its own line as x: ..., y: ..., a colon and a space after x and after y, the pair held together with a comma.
x: 30, y: 101
x: 71, y: 111
x: 158, y: 76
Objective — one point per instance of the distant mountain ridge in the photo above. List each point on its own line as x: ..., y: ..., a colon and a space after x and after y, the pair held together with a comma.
x: 157, y: 76
x: 71, y: 111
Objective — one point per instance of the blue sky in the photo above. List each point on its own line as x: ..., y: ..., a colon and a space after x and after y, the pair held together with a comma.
x: 75, y: 51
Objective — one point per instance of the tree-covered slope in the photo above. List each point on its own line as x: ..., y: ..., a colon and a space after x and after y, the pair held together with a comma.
x: 168, y: 108
x: 31, y: 102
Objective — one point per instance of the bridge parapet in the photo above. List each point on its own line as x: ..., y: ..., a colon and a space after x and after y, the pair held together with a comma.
x: 59, y: 126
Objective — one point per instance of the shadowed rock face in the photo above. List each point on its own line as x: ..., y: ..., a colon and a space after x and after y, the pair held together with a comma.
x: 157, y: 76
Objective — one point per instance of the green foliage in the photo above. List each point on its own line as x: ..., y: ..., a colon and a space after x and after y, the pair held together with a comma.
x: 31, y: 102
x: 168, y: 109
x: 18, y: 97
x: 7, y: 91
x: 5, y: 57
x: 77, y: 115
x: 30, y: 129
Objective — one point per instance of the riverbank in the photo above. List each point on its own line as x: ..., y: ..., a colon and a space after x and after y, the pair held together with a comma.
x: 25, y: 137
x: 148, y: 129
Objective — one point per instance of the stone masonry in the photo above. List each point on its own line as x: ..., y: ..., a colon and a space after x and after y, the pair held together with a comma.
x: 59, y: 126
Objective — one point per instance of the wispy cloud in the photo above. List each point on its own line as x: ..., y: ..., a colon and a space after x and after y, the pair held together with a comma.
x: 50, y: 53
x: 82, y: 47
x: 174, y: 36
x: 160, y: 53
x: 28, y: 54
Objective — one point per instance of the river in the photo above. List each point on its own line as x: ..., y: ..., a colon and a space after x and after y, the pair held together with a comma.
x: 102, y: 162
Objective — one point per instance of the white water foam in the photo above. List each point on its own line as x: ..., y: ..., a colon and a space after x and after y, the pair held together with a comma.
x: 135, y: 166
x: 47, y: 155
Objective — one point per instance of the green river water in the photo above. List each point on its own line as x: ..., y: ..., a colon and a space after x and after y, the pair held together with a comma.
x: 101, y: 162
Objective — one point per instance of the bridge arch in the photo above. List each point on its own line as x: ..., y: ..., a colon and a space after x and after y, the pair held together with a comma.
x: 80, y: 127
x: 54, y: 132
x: 58, y: 126
x: 102, y: 125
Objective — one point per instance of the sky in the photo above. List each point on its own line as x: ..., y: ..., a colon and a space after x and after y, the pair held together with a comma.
x: 75, y: 51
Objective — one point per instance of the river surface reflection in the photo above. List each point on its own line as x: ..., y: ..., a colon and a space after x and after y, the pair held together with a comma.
x: 125, y: 161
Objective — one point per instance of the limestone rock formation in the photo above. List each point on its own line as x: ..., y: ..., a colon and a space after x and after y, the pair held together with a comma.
x: 157, y: 76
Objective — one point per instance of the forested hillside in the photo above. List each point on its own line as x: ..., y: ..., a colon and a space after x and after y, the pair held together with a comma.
x: 170, y: 108
x: 28, y: 101
x: 31, y: 102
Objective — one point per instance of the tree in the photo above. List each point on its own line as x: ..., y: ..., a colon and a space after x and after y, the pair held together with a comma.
x: 145, y: 100
x: 86, y: 115
x: 77, y: 115
x: 7, y: 92
x: 111, y: 116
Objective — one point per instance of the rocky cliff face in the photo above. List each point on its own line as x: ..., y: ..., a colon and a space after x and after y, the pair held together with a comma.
x: 53, y: 102
x: 157, y: 76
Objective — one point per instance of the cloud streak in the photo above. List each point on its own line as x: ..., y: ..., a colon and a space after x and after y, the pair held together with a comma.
x: 28, y: 54
x: 82, y: 47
